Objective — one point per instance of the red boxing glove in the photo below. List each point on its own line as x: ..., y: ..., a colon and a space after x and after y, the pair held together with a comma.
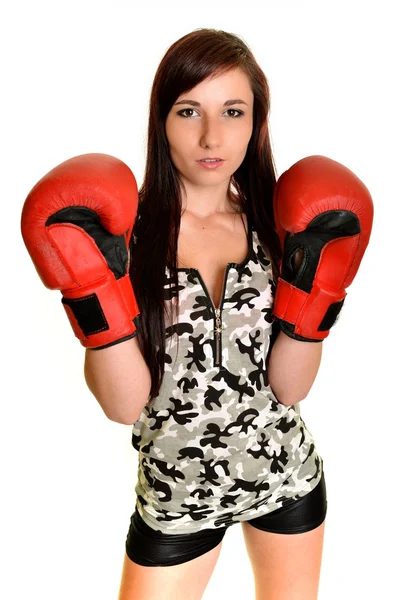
x: 76, y: 224
x: 329, y: 212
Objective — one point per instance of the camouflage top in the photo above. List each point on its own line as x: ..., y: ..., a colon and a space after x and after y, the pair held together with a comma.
x: 217, y: 447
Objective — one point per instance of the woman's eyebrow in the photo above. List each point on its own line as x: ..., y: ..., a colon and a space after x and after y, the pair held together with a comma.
x: 227, y: 103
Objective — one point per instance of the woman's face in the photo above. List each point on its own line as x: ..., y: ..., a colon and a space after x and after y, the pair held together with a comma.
x: 205, y: 123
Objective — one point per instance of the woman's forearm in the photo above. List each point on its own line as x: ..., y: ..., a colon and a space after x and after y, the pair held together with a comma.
x: 292, y: 368
x: 119, y: 379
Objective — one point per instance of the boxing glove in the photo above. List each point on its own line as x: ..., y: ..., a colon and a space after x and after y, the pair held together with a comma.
x: 77, y: 223
x: 323, y: 215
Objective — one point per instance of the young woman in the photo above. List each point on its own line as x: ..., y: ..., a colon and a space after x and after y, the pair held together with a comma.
x: 205, y: 337
x: 216, y: 446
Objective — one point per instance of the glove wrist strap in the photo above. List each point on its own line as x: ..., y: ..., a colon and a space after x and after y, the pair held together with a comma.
x: 307, y: 316
x: 102, y: 314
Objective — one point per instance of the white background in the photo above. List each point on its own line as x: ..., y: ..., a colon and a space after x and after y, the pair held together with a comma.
x: 76, y: 78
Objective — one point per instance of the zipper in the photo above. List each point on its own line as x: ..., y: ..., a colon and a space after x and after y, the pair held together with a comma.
x: 217, y: 335
x: 217, y: 313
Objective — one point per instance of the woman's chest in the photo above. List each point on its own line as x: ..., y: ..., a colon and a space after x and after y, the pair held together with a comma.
x: 209, y: 250
x: 235, y: 335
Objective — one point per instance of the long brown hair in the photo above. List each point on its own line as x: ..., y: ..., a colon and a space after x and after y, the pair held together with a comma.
x: 190, y: 60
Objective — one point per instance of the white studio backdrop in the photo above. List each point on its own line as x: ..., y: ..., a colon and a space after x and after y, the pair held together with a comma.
x: 76, y: 78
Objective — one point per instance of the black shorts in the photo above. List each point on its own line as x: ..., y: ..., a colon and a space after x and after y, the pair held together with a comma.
x: 151, y: 548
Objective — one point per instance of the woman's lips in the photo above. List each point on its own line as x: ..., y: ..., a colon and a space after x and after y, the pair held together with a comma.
x: 210, y: 165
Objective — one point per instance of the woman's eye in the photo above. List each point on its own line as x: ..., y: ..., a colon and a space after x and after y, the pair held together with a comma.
x: 181, y: 112
x: 237, y: 111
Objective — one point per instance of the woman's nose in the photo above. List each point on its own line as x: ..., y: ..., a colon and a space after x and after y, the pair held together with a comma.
x: 211, y: 133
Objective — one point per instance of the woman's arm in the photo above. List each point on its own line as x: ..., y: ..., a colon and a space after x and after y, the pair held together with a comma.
x: 292, y: 368
x: 119, y: 379
x: 292, y: 365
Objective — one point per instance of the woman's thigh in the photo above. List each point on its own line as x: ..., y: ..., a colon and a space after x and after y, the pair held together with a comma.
x: 175, y: 566
x: 285, y: 548
x: 285, y: 567
x: 186, y: 581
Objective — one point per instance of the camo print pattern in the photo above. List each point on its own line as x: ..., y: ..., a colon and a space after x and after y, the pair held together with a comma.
x: 217, y: 447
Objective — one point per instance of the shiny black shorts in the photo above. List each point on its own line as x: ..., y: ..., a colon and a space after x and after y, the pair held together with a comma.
x: 151, y: 548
